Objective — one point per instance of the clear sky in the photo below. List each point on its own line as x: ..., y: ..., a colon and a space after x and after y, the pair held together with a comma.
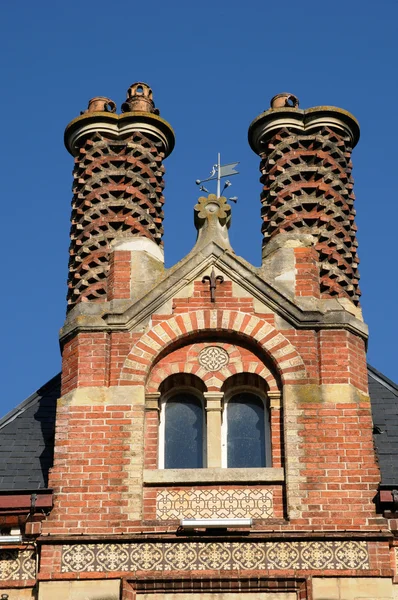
x: 213, y: 67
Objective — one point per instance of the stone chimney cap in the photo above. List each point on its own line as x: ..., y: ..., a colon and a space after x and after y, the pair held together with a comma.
x: 284, y: 100
x: 139, y: 99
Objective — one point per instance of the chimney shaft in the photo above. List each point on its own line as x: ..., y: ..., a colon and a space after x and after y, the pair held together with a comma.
x: 307, y: 185
x: 117, y: 187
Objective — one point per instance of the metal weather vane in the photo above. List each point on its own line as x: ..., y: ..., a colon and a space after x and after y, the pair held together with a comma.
x: 217, y: 173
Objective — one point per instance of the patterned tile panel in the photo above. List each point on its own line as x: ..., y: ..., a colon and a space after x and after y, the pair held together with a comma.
x: 16, y: 565
x: 197, y: 556
x: 207, y: 504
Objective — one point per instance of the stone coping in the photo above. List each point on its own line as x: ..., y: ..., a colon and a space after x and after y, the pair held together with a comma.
x: 119, y: 127
x: 267, y: 123
x: 170, y: 477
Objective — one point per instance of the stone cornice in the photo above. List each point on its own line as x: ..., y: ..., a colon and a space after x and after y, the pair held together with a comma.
x: 354, y: 534
x: 269, y: 122
x: 119, y: 126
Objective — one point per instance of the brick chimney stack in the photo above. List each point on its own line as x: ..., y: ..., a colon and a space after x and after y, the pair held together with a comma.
x: 118, y: 186
x: 307, y: 185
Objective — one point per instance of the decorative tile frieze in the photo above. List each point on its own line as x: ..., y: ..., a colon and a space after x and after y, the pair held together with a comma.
x: 213, y: 358
x: 17, y: 565
x: 198, y: 556
x: 207, y: 504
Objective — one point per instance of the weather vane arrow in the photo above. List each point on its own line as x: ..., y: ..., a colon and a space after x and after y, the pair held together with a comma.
x: 217, y: 173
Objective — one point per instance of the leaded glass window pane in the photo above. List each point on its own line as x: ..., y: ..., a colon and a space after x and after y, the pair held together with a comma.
x: 245, y: 431
x: 183, y: 432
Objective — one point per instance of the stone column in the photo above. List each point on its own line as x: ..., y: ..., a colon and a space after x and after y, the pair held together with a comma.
x: 214, y: 402
x: 274, y: 398
x: 151, y: 440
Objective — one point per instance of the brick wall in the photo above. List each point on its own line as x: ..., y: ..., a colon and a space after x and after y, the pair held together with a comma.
x: 336, y: 473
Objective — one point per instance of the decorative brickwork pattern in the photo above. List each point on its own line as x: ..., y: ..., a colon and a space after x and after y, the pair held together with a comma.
x: 263, y: 334
x: 117, y: 192
x: 209, y: 504
x: 308, y: 188
x: 199, y: 556
x: 17, y: 565
x: 188, y: 360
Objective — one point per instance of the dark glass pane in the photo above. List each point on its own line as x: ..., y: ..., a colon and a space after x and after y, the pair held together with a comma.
x: 183, y: 432
x: 246, y: 431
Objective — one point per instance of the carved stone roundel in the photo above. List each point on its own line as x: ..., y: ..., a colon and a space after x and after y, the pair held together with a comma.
x: 213, y: 358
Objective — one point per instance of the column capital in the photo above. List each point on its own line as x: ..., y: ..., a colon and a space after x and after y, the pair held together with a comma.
x: 152, y: 401
x: 274, y: 399
x: 213, y: 401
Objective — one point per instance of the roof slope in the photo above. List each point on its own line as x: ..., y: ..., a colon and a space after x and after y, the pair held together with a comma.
x: 384, y: 397
x: 27, y: 440
x: 27, y: 434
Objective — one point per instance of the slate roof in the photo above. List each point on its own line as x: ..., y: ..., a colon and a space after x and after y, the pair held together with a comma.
x: 384, y: 397
x: 27, y: 435
x: 27, y: 440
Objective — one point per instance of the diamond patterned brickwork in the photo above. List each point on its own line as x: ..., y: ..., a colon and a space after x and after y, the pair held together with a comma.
x: 117, y: 192
x: 308, y: 188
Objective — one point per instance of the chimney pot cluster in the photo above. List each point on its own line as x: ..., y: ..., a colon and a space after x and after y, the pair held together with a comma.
x: 118, y: 184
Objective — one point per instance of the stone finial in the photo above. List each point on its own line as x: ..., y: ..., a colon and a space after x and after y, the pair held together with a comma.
x: 139, y: 99
x: 284, y: 100
x: 212, y: 220
x: 100, y: 104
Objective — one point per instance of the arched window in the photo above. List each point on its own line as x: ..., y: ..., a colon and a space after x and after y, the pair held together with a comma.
x: 246, y: 438
x: 183, y: 428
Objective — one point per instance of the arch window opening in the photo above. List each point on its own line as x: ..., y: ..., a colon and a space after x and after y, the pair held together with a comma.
x: 246, y: 432
x: 184, y: 432
x: 229, y: 428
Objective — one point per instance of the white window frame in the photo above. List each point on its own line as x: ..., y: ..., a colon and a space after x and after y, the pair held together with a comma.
x: 267, y: 422
x: 162, y: 415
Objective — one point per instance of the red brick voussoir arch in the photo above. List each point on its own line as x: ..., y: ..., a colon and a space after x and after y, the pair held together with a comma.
x: 144, y: 353
x: 213, y: 380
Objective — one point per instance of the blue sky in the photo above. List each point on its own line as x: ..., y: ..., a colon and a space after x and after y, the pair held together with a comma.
x: 213, y: 67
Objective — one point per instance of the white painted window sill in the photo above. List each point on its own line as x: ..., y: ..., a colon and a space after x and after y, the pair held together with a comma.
x: 225, y: 476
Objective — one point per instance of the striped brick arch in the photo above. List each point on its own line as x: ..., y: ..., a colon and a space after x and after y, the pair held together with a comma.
x: 186, y: 361
x: 145, y: 352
